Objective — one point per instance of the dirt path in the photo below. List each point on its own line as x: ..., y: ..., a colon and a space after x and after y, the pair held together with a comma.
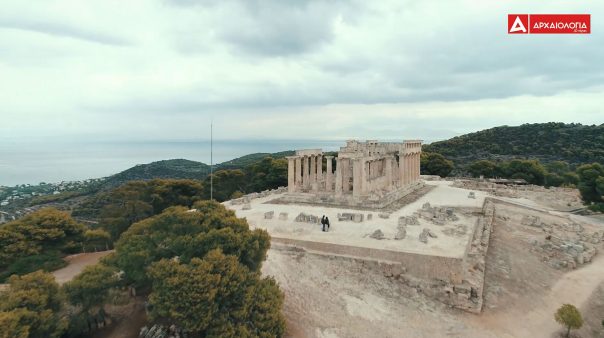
x: 519, y: 320
x: 77, y: 263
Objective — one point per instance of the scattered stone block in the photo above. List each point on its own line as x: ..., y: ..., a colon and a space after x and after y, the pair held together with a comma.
x: 307, y: 218
x: 401, y: 233
x: 534, y: 221
x: 471, y: 195
x: 246, y: 206
x: 378, y: 234
x: 384, y: 215
x: 423, y: 236
x: 269, y: 215
x: 369, y: 217
x: 350, y: 217
x: 411, y: 220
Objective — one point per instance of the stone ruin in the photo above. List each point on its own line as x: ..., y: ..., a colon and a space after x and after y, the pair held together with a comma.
x: 437, y: 215
x: 246, y: 199
x: 378, y: 234
x: 307, y: 218
x: 401, y: 232
x: 559, y: 250
x: 366, y: 174
x: 246, y: 206
x: 269, y: 215
x: 350, y: 217
x: 283, y: 216
x: 457, y: 230
x: 534, y: 221
x: 566, y: 245
x: 471, y: 195
x: 423, y: 236
x: 408, y: 220
x: 384, y: 215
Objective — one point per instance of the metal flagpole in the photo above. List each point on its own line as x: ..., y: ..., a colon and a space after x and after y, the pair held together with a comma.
x: 211, y: 160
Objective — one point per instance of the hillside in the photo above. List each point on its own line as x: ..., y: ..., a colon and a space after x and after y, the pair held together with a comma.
x: 177, y: 168
x: 246, y: 160
x: 184, y: 169
x: 573, y: 143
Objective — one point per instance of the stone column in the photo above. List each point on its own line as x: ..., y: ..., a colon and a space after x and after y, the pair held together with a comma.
x: 408, y: 169
x: 419, y: 164
x: 345, y: 164
x: 338, y: 187
x: 298, y: 172
x: 290, y: 174
x: 366, y: 176
x: 416, y: 167
x: 358, y: 168
x: 413, y: 171
x: 417, y: 159
x: 388, y: 172
x: 305, y: 172
x: 319, y: 168
x: 313, y: 170
x: 328, y: 174
x: 403, y: 165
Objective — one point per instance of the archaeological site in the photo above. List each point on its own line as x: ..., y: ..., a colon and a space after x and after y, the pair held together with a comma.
x: 401, y: 248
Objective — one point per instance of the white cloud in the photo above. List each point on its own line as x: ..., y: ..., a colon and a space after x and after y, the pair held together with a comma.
x: 309, y: 69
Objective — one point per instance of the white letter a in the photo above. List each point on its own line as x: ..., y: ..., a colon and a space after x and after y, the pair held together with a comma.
x: 517, y: 26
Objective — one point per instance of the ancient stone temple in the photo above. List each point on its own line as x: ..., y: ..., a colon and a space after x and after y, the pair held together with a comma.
x: 370, y: 173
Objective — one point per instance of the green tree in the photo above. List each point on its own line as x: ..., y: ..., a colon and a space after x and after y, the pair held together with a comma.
x: 226, y: 182
x: 591, y: 183
x: 32, y: 305
x: 14, y: 324
x: 530, y: 170
x: 569, y: 316
x: 267, y: 174
x: 38, y: 241
x: 224, y: 298
x: 435, y: 164
x: 180, y: 232
x: 483, y: 168
x: 134, y: 201
x: 90, y: 288
x: 96, y: 239
x: 49, y: 229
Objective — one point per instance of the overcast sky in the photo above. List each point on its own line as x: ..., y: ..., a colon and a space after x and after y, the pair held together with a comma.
x: 119, y: 70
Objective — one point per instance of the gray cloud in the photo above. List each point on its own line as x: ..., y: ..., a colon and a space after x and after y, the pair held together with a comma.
x: 280, y: 67
x: 60, y: 30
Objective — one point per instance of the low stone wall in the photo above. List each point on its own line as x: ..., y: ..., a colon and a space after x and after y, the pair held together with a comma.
x: 247, y: 198
x: 449, y: 269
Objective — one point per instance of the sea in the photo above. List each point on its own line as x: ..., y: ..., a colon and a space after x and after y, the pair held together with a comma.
x: 51, y: 161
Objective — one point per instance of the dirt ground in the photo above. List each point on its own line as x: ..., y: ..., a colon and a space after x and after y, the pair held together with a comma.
x: 334, y: 297
x: 329, y: 297
x: 77, y: 263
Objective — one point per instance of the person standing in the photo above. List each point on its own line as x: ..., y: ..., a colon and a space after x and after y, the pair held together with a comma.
x: 326, y: 223
x: 323, y: 222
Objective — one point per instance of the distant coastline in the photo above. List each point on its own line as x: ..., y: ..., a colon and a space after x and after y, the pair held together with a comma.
x: 55, y: 162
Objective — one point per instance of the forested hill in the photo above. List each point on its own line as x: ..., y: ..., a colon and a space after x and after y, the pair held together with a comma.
x: 250, y: 159
x: 178, y: 168
x: 573, y: 143
x: 184, y: 169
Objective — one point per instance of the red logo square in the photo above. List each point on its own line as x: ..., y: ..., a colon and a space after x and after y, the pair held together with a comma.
x: 518, y: 23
